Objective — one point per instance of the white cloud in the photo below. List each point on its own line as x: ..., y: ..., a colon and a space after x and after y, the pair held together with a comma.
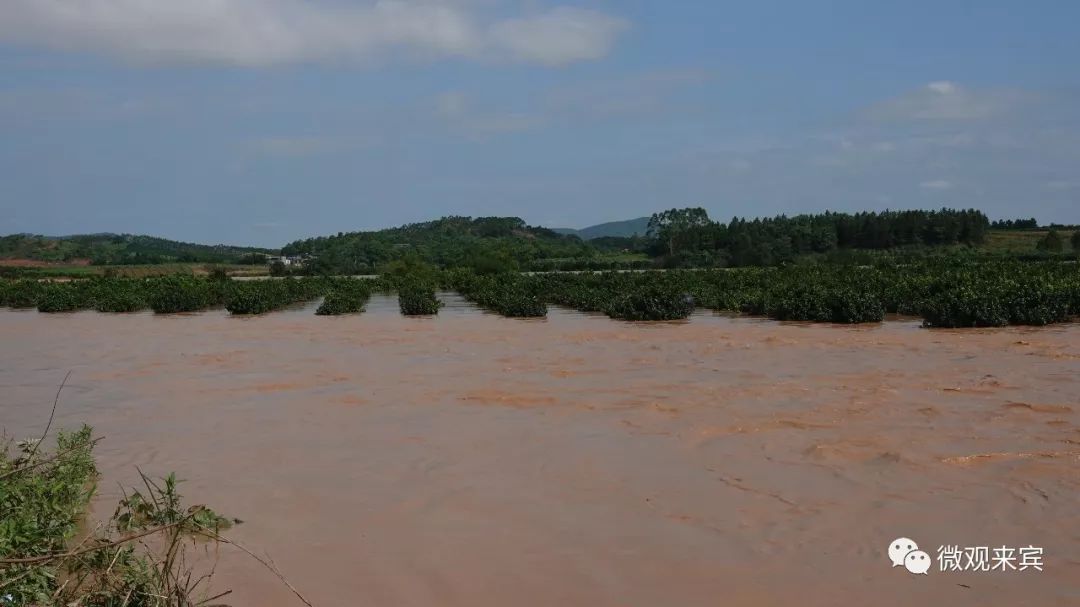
x: 936, y: 184
x: 561, y: 36
x: 255, y: 33
x: 943, y: 87
x: 943, y: 101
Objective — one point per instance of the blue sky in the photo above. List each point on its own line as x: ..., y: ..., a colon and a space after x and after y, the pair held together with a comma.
x: 264, y: 121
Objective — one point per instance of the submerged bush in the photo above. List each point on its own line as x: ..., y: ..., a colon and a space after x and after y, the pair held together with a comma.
x: 417, y: 300
x: 23, y: 293
x: 119, y: 295
x: 261, y: 296
x: 799, y: 302
x: 508, y: 294
x: 518, y: 303
x: 965, y: 306
x: 855, y: 306
x: 180, y: 293
x: 64, y: 297
x: 818, y: 303
x: 345, y: 298
x: 651, y: 303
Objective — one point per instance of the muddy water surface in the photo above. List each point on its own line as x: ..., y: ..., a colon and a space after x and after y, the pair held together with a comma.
x: 472, y: 460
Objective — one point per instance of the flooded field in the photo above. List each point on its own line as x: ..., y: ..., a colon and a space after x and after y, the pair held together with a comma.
x: 473, y: 460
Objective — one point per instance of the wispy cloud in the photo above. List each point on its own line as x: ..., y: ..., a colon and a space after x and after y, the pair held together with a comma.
x: 561, y: 36
x: 256, y: 33
x: 945, y: 100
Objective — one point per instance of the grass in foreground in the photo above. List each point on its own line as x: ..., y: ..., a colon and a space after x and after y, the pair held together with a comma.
x: 50, y: 554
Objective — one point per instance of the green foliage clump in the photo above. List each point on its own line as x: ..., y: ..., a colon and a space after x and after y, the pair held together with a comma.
x: 965, y: 306
x: 347, y: 296
x: 136, y: 558
x: 517, y: 302
x: 41, y: 502
x: 217, y: 273
x: 120, y: 295
x: 491, y: 264
x: 819, y: 303
x: 1007, y: 294
x: 1051, y: 243
x: 23, y: 293
x: 278, y: 268
x: 261, y: 296
x: 582, y: 292
x: 408, y: 270
x: 65, y: 297
x: 1074, y: 240
x: 651, y: 303
x: 1037, y: 307
x: 508, y: 294
x: 418, y: 299
x: 852, y: 306
x: 180, y: 293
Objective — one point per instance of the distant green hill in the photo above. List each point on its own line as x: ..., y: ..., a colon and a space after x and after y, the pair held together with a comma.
x: 111, y: 249
x: 450, y: 242
x: 622, y: 229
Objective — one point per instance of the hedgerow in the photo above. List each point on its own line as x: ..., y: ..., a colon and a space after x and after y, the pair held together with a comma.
x: 179, y: 293
x: 261, y: 296
x: 651, y: 302
x: 508, y: 294
x: 23, y: 293
x: 120, y: 295
x: 345, y: 297
x: 417, y: 299
x: 955, y: 291
x: 65, y: 297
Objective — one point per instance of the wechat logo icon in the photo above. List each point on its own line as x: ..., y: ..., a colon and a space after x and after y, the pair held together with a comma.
x: 905, y: 553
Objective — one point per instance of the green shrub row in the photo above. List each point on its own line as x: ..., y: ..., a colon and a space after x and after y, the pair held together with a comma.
x: 346, y: 297
x: 180, y: 293
x: 261, y: 296
x: 510, y: 295
x: 418, y: 299
x: 944, y: 292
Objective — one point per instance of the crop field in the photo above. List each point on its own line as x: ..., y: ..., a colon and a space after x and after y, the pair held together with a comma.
x: 943, y: 293
x: 1021, y: 241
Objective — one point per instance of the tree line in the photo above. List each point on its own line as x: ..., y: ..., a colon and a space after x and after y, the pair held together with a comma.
x: 688, y: 237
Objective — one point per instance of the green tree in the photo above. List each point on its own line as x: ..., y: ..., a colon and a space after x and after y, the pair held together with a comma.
x: 1076, y: 241
x: 675, y: 227
x: 1051, y: 243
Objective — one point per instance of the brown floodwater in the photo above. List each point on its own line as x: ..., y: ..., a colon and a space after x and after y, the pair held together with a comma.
x: 473, y: 460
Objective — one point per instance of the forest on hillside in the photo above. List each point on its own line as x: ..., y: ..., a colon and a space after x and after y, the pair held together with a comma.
x: 116, y: 249
x: 675, y: 238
